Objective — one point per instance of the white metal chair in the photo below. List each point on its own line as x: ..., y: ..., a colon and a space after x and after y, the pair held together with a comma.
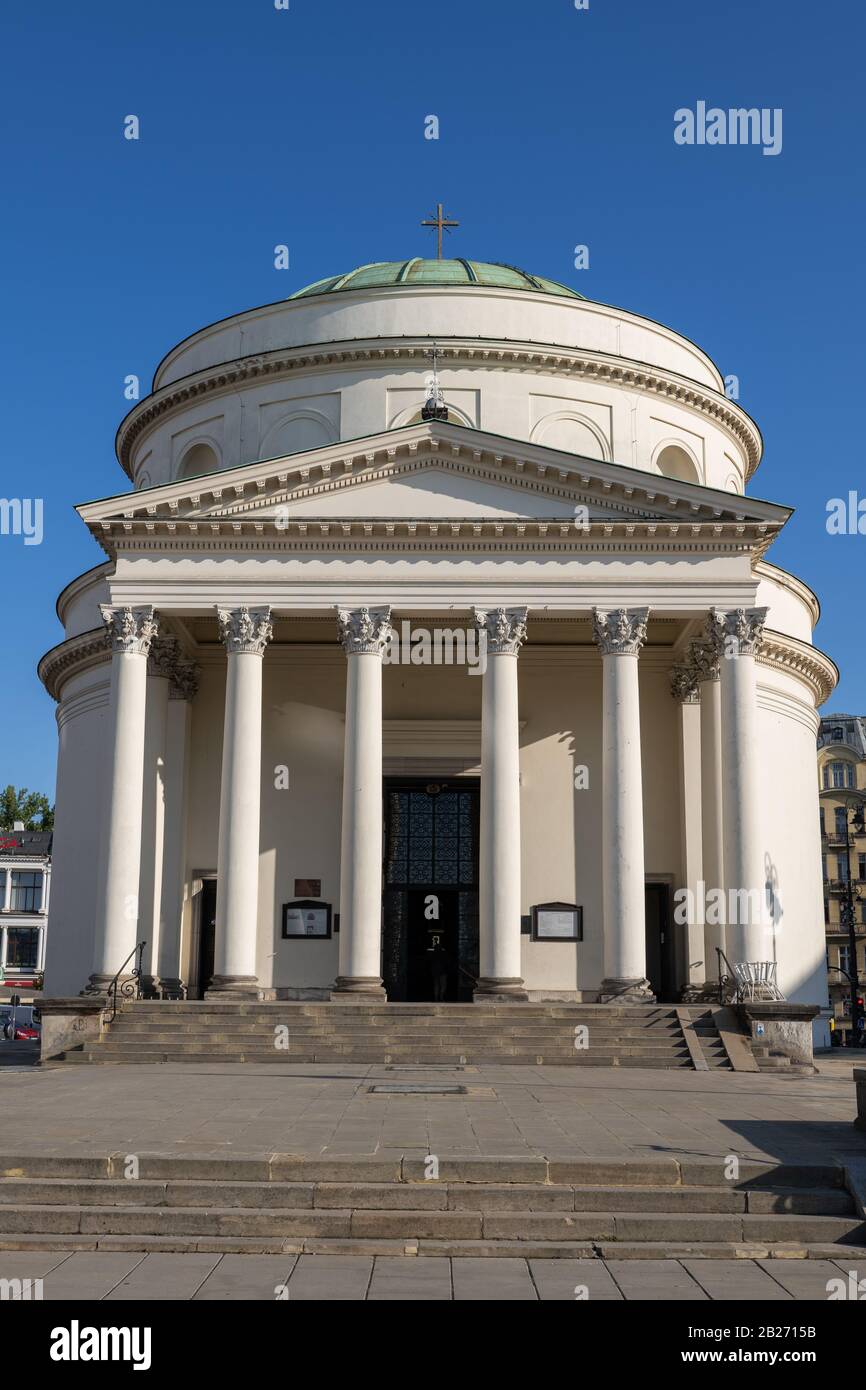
x: 756, y: 979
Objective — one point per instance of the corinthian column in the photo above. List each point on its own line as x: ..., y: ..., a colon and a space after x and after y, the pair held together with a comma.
x: 684, y: 690
x: 620, y: 634
x: 245, y: 633
x: 131, y: 631
x: 364, y: 633
x: 737, y: 636
x: 499, y: 867
x: 705, y: 659
x: 182, y: 690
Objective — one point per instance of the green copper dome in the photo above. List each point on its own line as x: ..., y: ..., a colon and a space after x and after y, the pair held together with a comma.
x: 422, y: 272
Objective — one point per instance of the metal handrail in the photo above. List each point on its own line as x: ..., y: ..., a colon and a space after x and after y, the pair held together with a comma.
x: 729, y: 979
x: 131, y: 987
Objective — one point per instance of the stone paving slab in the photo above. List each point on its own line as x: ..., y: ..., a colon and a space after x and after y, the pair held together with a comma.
x: 657, y: 1280
x: 163, y: 1277
x: 90, y: 1277
x: 399, y: 1280
x: 236, y: 1110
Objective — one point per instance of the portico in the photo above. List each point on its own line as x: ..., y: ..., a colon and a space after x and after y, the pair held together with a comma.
x: 618, y: 637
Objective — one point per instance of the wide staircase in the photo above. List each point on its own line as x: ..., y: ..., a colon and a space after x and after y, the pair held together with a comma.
x: 530, y: 1206
x: 448, y: 1034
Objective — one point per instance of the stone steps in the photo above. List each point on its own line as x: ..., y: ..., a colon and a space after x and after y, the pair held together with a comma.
x: 488, y: 1206
x: 370, y: 1057
x: 409, y: 1224
x: 152, y: 1032
x: 120, y: 1194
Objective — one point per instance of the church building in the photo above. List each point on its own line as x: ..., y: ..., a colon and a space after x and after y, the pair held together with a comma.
x: 437, y: 653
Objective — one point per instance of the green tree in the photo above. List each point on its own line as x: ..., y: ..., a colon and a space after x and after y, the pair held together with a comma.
x: 33, y: 808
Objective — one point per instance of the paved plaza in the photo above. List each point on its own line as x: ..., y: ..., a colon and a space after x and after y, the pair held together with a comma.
x: 119, y: 1276
x: 605, y: 1112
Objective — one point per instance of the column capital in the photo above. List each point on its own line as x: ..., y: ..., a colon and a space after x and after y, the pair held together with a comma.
x: 684, y: 685
x: 130, y: 630
x: 619, y: 631
x: 165, y: 660
x: 737, y: 631
x: 365, y: 630
x: 704, y: 660
x: 505, y: 629
x: 184, y: 681
x: 245, y: 629
x: 162, y: 657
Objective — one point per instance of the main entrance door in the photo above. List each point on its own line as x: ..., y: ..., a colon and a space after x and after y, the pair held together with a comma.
x: 430, y: 904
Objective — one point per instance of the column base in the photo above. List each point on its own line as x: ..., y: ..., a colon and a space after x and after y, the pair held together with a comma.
x: 620, y: 991
x: 508, y: 989
x: 233, y: 987
x: 171, y: 988
x: 357, y: 987
x: 700, y: 992
x: 150, y: 986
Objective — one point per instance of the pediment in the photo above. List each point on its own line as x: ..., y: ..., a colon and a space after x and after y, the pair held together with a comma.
x: 424, y: 476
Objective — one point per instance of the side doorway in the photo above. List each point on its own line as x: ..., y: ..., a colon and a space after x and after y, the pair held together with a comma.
x: 204, y: 937
x: 661, y: 961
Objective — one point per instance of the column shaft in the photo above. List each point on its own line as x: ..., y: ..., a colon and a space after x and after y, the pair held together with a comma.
x: 245, y: 633
x: 174, y: 852
x: 738, y: 635
x: 364, y: 633
x: 503, y: 631
x: 690, y: 920
x: 620, y: 635
x: 131, y: 631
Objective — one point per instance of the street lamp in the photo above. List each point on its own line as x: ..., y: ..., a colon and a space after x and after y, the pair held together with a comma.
x: 854, y: 820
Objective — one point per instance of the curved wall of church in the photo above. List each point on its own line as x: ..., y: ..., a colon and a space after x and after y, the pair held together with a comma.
x: 330, y: 401
x: 83, y: 740
x: 476, y: 311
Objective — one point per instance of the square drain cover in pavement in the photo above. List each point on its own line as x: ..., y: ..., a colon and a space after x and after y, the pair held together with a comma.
x: 429, y: 1066
x: 408, y: 1088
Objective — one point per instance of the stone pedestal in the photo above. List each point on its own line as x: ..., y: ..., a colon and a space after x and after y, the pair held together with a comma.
x: 68, y: 1023
x: 783, y: 1026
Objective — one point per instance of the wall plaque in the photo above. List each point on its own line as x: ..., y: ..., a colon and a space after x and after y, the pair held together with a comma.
x: 557, y: 922
x: 308, y: 887
x: 306, y: 918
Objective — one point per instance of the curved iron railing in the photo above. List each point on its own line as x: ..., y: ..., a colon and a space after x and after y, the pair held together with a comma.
x: 726, y: 982
x: 129, y: 988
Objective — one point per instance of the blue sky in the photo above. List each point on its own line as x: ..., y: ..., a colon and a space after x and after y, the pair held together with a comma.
x: 305, y: 127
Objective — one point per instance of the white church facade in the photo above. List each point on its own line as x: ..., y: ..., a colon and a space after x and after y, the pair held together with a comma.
x: 372, y: 702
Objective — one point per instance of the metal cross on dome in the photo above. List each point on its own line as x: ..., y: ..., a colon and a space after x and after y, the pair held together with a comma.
x: 442, y: 222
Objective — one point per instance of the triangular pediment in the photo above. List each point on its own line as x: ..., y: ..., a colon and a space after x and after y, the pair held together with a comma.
x: 426, y: 475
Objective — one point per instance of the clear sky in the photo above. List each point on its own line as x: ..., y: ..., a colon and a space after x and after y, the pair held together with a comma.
x: 306, y: 127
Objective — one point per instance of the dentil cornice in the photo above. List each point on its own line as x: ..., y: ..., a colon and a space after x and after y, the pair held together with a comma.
x: 570, y: 362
